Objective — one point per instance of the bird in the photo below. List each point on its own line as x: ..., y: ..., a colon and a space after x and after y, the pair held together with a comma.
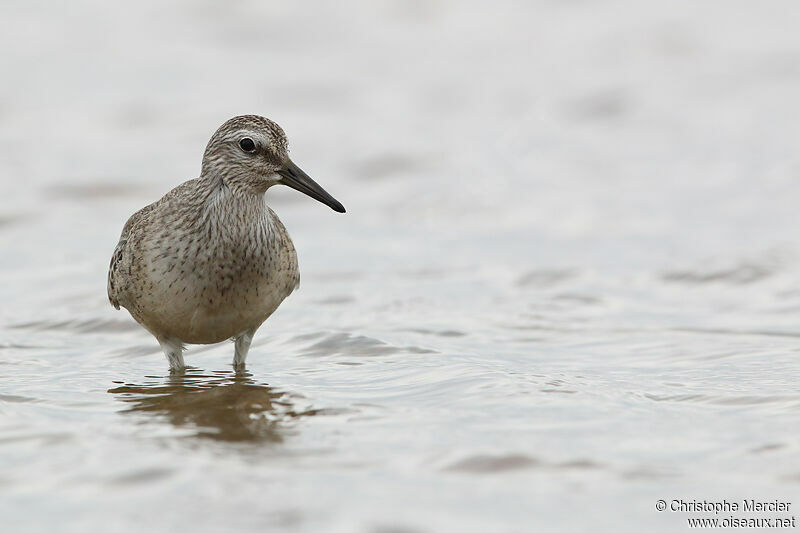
x: 210, y: 260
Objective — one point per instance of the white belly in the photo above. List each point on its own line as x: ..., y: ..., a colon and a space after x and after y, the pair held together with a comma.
x: 218, y: 317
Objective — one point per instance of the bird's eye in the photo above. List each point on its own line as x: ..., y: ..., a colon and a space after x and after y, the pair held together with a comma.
x: 247, y: 144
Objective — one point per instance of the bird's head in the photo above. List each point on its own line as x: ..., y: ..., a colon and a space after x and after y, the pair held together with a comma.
x: 250, y: 154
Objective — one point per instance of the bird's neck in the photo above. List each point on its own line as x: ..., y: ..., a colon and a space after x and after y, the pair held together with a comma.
x: 229, y: 201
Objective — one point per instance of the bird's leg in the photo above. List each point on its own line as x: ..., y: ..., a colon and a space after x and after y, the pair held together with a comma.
x: 243, y: 341
x: 173, y: 349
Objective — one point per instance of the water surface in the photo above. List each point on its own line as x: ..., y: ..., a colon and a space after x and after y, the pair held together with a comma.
x: 567, y: 285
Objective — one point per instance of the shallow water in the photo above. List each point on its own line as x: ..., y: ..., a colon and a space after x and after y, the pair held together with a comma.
x: 567, y: 285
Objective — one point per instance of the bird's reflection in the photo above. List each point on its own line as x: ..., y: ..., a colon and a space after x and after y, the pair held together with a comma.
x: 223, y: 405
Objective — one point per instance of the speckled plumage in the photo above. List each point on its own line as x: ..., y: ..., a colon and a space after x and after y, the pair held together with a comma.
x: 210, y: 260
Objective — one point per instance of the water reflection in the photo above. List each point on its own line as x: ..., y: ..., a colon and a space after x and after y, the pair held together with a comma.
x: 225, y: 405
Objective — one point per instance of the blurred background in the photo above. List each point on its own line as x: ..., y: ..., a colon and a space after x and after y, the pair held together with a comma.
x: 567, y: 284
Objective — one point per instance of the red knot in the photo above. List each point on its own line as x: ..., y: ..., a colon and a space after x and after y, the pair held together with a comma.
x: 210, y: 260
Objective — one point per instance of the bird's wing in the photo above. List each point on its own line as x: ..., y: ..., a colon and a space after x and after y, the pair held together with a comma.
x: 123, y: 246
x: 120, y: 250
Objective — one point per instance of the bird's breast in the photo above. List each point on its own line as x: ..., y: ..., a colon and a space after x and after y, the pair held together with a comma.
x: 212, y: 284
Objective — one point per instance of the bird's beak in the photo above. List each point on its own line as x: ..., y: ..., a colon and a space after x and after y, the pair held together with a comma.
x: 294, y: 177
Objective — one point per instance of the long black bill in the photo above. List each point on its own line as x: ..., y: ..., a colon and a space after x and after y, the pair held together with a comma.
x: 294, y: 177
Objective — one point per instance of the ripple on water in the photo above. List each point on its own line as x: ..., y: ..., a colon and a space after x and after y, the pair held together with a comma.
x: 93, y: 325
x: 488, y: 464
x: 735, y: 332
x: 46, y: 438
x: 601, y: 105
x: 142, y: 476
x: 139, y: 350
x: 13, y: 398
x: 16, y: 346
x: 771, y: 447
x: 354, y: 345
x: 735, y: 275
x: 724, y: 400
x: 647, y: 472
x: 8, y: 220
x: 555, y: 386
x: 545, y: 277
x: 437, y: 332
x: 495, y: 464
